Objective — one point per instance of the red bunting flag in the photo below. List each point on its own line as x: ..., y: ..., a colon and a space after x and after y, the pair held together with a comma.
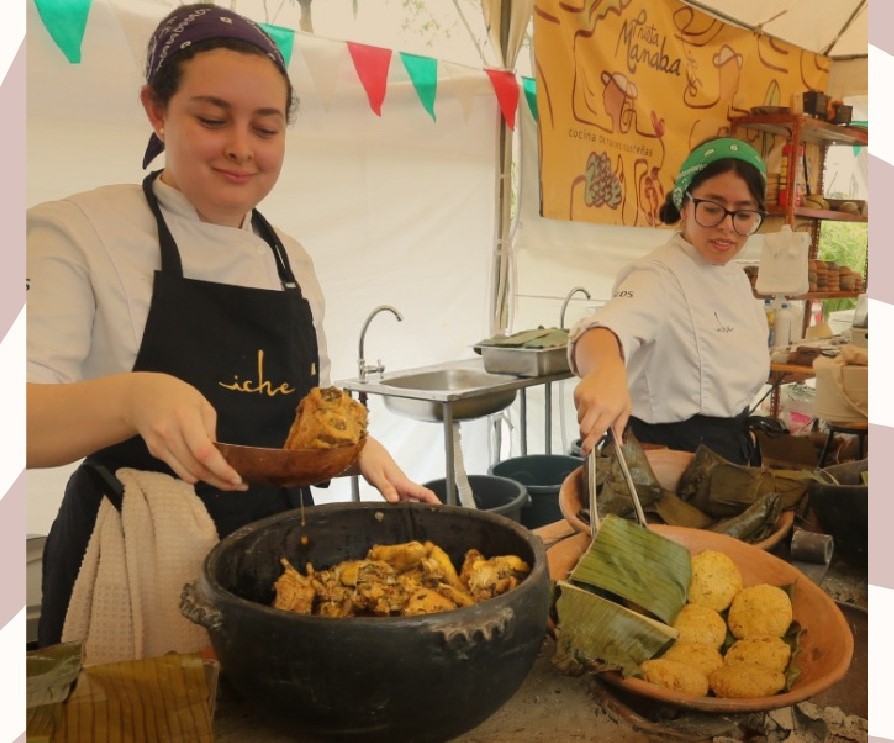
x: 372, y: 64
x: 506, y: 88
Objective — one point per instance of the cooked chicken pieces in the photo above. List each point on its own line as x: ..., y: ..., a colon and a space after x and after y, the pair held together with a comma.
x: 406, y: 579
x: 294, y: 592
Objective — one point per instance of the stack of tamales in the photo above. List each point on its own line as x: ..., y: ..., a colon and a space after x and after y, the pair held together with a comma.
x: 616, y: 608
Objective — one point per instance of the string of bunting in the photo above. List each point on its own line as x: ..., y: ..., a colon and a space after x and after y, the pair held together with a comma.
x: 66, y: 22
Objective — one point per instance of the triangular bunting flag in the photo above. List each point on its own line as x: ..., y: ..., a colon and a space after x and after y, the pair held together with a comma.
x: 506, y: 88
x: 284, y: 38
x: 372, y: 64
x: 324, y: 62
x: 66, y: 21
x: 462, y: 88
x: 423, y: 73
x: 530, y: 87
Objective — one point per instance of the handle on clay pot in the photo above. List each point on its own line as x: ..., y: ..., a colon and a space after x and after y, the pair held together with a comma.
x: 195, y: 610
x: 460, y: 638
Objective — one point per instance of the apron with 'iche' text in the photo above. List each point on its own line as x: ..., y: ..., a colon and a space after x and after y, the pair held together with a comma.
x: 251, y: 352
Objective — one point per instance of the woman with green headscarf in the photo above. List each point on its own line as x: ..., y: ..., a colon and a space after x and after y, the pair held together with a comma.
x: 680, y: 351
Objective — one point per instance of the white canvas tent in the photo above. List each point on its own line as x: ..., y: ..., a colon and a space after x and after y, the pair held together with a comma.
x: 395, y: 209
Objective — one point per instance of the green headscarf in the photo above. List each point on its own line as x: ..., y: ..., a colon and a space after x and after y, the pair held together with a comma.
x: 712, y: 151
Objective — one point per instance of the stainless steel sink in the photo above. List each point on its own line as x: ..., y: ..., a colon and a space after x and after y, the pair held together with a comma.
x: 469, y: 393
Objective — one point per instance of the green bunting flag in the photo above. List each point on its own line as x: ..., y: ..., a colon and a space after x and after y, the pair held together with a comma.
x: 284, y: 38
x: 530, y: 87
x: 66, y: 21
x: 423, y: 73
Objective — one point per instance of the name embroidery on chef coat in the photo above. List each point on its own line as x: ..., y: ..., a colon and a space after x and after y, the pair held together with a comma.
x: 721, y: 328
x: 259, y: 386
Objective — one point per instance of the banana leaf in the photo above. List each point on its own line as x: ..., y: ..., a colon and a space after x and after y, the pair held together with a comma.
x: 595, y: 631
x: 734, y: 487
x: 675, y: 511
x: 720, y: 488
x: 636, y: 564
x: 695, y: 482
x: 755, y: 523
x: 536, y: 338
x: 612, y: 496
x: 555, y: 338
x: 792, y: 485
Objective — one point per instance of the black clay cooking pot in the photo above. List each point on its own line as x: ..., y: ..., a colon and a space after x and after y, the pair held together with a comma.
x: 426, y: 678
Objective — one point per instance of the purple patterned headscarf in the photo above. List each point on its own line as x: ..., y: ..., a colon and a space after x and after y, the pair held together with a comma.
x: 193, y: 24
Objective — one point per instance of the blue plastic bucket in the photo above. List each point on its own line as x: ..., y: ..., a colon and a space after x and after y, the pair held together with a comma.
x: 541, y: 475
x: 491, y: 493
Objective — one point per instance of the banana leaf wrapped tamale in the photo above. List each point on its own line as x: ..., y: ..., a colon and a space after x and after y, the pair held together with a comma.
x: 612, y: 496
x: 756, y: 522
x: 616, y: 607
x: 638, y: 565
x: 720, y: 488
x: 594, y: 631
x: 675, y: 511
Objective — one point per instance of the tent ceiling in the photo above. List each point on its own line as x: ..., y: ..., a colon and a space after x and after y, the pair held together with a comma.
x: 837, y: 28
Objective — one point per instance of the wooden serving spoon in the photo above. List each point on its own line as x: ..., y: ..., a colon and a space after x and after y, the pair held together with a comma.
x: 289, y: 467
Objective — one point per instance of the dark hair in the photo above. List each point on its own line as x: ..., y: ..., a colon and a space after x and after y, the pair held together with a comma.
x: 669, y: 214
x: 166, y: 82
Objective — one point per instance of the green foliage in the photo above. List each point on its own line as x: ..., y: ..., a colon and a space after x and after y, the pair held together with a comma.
x: 847, y: 244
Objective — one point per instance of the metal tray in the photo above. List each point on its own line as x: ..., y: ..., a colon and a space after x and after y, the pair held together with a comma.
x: 524, y: 362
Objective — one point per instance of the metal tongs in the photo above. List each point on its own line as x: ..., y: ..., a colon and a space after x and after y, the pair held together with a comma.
x: 591, y: 473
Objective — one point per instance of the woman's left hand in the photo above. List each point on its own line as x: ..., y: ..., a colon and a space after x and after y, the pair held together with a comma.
x: 382, y: 472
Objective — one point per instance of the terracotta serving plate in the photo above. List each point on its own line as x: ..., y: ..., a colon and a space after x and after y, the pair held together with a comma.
x: 826, y: 644
x: 668, y: 466
x: 289, y: 467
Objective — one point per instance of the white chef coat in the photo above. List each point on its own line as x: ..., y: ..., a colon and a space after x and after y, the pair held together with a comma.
x: 90, y: 264
x: 694, y: 337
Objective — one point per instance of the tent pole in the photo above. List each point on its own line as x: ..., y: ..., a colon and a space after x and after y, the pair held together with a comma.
x: 499, y: 313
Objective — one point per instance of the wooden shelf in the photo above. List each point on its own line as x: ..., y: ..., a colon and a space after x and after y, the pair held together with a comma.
x: 812, y: 130
x: 810, y: 213
x: 816, y: 295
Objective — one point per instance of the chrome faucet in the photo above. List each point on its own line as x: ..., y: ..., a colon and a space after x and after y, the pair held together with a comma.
x: 567, y: 300
x: 377, y: 368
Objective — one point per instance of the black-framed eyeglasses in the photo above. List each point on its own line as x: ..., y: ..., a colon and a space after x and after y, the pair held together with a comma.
x: 710, y: 214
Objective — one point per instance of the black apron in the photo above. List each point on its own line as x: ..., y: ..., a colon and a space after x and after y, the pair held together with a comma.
x: 251, y: 352
x: 728, y: 437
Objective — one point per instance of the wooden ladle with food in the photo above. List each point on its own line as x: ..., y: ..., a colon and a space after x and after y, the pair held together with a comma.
x: 325, y: 439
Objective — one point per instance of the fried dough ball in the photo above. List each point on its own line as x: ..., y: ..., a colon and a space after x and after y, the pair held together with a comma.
x: 703, y: 658
x: 745, y: 681
x: 697, y: 623
x: 675, y: 676
x: 715, y: 580
x: 772, y: 653
x: 761, y: 610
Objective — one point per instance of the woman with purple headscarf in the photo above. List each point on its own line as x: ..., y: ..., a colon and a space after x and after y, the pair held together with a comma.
x: 145, y: 303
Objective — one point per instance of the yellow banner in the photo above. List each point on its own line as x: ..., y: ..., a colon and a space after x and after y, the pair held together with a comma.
x: 625, y: 88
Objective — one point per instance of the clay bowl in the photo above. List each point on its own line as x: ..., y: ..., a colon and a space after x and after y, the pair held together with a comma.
x: 289, y: 467
x: 668, y: 466
x: 826, y: 644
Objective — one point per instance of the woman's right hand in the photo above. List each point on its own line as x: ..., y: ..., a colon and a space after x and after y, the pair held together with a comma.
x: 179, y: 427
x: 602, y: 397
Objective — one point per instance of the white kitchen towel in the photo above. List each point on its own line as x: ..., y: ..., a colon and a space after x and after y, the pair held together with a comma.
x: 783, y: 267
x: 126, y: 600
x: 463, y: 488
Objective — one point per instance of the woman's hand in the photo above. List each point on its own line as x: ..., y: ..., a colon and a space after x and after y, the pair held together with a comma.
x: 179, y: 427
x: 602, y: 397
x: 69, y: 421
x: 382, y: 472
